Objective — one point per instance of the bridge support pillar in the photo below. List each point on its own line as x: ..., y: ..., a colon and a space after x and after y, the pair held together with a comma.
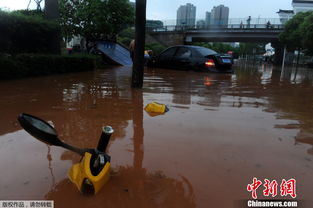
x: 279, y: 53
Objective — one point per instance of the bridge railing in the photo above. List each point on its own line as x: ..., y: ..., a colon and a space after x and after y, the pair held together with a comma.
x: 235, y: 23
x: 242, y: 27
x: 227, y: 21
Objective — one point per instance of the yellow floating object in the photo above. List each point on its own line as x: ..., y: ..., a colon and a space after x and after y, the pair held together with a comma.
x: 80, y: 174
x: 155, y: 107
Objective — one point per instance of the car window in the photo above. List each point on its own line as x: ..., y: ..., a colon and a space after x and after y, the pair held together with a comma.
x: 205, y: 51
x: 167, y: 54
x: 183, y: 53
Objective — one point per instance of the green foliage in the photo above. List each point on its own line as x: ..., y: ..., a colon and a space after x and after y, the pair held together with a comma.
x: 24, y: 65
x: 154, y: 23
x: 298, y: 32
x: 9, y: 68
x: 251, y: 48
x: 306, y: 29
x: 20, y: 33
x: 292, y: 35
x: 218, y: 47
x: 155, y: 47
x: 34, y: 13
x: 222, y: 47
x: 126, y: 36
x: 244, y: 48
x: 94, y: 19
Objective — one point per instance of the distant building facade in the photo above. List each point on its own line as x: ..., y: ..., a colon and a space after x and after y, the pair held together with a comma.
x: 302, y: 5
x: 219, y: 15
x: 285, y: 15
x: 201, y: 24
x: 186, y: 15
x: 207, y: 18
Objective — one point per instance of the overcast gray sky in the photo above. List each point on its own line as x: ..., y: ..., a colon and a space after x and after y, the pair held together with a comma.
x: 166, y: 9
x: 15, y: 4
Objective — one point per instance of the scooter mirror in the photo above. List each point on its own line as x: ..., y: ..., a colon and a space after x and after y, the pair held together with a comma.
x: 44, y: 132
x: 39, y: 129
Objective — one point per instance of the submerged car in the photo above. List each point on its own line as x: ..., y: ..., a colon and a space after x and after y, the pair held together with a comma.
x: 196, y: 58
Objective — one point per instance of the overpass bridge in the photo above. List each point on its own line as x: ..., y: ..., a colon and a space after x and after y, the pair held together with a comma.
x: 258, y: 32
x: 216, y: 33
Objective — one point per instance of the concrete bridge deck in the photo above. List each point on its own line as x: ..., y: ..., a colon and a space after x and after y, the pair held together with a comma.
x: 225, y: 33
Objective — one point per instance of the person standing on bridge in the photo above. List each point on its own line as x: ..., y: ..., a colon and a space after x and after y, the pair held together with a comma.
x: 241, y: 25
x: 248, y: 22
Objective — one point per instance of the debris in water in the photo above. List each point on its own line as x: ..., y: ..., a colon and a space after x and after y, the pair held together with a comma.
x: 155, y: 109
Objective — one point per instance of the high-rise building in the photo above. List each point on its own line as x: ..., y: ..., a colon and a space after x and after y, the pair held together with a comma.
x: 302, y: 5
x: 186, y: 15
x: 219, y: 15
x: 208, y: 18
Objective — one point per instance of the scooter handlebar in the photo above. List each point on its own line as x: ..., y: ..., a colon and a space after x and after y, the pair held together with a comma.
x: 107, y: 131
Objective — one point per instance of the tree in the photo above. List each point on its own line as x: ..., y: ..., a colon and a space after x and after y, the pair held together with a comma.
x: 292, y: 36
x: 219, y: 47
x: 306, y: 29
x: 21, y: 33
x: 298, y: 33
x: 34, y: 13
x: 154, y: 24
x: 250, y: 48
x: 94, y: 19
x: 126, y: 36
x: 155, y: 47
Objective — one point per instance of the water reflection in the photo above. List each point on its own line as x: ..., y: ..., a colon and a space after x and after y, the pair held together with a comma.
x: 138, y: 128
x: 49, y: 158
x: 73, y: 94
x: 307, y: 138
x: 221, y: 130
x: 131, y: 186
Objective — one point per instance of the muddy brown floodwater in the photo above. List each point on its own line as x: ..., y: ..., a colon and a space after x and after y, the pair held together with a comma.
x: 221, y: 131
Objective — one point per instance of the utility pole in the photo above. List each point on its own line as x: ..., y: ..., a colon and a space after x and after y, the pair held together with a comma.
x: 52, y: 9
x: 140, y: 25
x: 52, y: 13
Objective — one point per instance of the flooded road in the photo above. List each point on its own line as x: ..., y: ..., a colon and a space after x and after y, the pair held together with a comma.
x: 221, y: 131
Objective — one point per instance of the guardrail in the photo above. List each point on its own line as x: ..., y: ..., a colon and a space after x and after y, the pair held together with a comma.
x: 228, y: 27
x: 245, y: 20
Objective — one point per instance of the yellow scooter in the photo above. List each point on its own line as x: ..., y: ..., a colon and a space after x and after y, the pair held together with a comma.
x: 93, y: 171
